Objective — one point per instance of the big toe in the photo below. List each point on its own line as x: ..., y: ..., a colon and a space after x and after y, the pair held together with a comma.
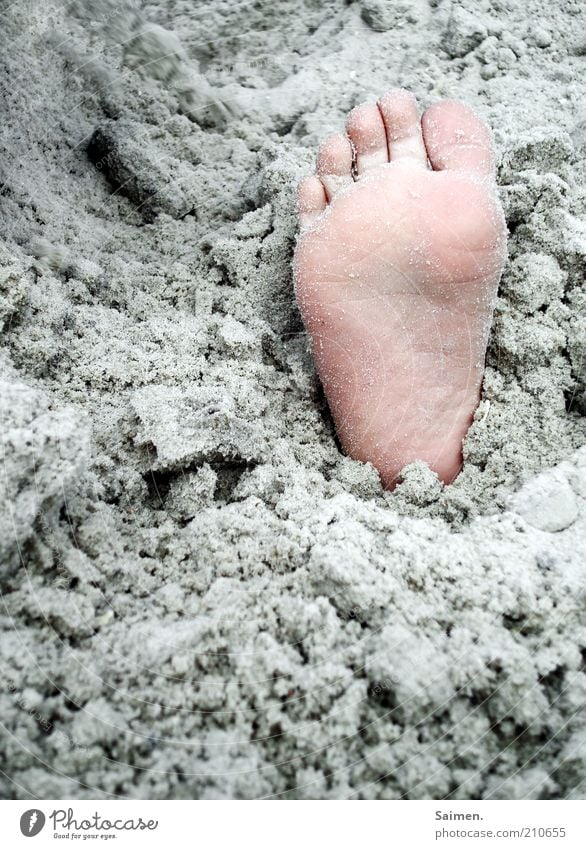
x: 456, y: 139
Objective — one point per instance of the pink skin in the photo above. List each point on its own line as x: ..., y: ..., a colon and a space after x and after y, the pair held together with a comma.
x: 401, y: 248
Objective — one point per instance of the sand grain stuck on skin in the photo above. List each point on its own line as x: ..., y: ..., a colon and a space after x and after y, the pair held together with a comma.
x: 201, y: 596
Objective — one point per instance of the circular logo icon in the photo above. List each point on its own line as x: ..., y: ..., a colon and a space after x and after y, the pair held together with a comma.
x: 32, y: 822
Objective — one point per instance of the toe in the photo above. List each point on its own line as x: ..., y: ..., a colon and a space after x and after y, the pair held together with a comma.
x: 311, y: 201
x: 366, y: 130
x: 456, y: 139
x: 401, y: 119
x: 334, y: 164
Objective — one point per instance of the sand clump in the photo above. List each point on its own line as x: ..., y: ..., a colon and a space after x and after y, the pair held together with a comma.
x: 202, y: 596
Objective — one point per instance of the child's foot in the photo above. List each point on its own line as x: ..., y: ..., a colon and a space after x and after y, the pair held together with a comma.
x: 396, y: 272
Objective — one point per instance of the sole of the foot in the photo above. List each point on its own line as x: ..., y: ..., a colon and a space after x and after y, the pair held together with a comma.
x: 401, y: 247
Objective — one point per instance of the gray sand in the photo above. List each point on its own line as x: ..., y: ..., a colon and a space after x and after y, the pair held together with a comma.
x: 201, y: 596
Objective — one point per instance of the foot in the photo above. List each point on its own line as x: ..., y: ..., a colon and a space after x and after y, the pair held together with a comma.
x: 397, y: 265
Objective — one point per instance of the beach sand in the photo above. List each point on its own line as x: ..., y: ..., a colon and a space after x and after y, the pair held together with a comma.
x: 202, y: 597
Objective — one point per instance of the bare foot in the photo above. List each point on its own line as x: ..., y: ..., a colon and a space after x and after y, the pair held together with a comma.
x: 396, y: 270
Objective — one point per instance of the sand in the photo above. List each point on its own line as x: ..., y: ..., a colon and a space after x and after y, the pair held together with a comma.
x: 201, y: 597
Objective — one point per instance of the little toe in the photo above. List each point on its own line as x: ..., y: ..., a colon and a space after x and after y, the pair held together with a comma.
x: 456, y: 139
x: 334, y: 164
x: 311, y: 201
x: 366, y: 130
x: 398, y: 108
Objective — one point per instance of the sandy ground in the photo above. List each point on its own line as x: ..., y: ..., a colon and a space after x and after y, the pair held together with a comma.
x: 201, y: 597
